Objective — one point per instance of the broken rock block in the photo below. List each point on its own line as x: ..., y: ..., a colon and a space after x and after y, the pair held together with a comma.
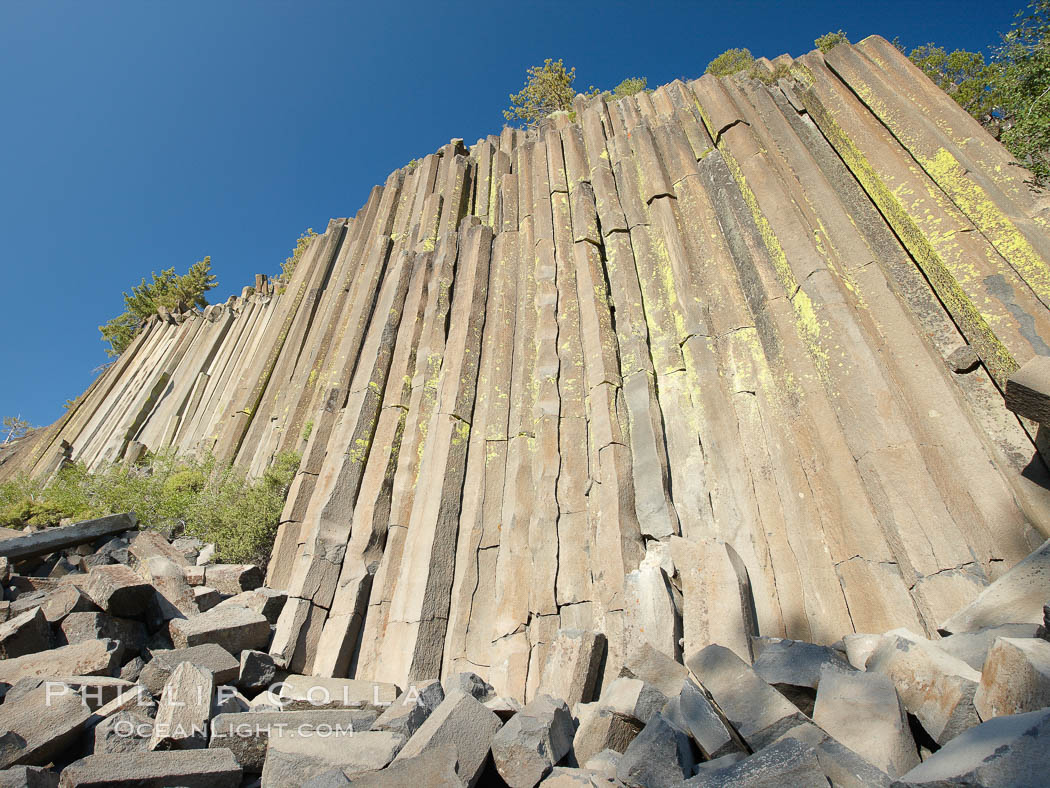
x: 118, y: 590
x: 936, y: 687
x: 24, y: 634
x: 864, y: 713
x: 184, y: 710
x: 470, y: 683
x: 1004, y: 751
x: 262, y: 600
x: 216, y: 660
x: 788, y: 762
x: 1015, y: 598
x: 125, y: 731
x: 90, y: 658
x: 661, y: 755
x: 41, y: 725
x: 28, y: 777
x: 757, y: 711
x: 79, y: 627
x: 644, y: 662
x: 598, y: 730
x: 571, y: 670
x: 412, y: 707
x: 233, y: 578
x: 257, y: 671
x: 206, y: 598
x: 841, y: 765
x: 632, y: 698
x: 315, y: 692
x: 233, y: 628
x: 693, y: 712
x: 973, y: 647
x: 794, y: 667
x: 296, y: 756
x: 62, y: 601
x: 462, y: 722
x: 433, y: 768
x: 716, y: 593
x: 1015, y: 679
x: 533, y: 741
x: 145, y: 545
x: 247, y: 734
x: 186, y: 768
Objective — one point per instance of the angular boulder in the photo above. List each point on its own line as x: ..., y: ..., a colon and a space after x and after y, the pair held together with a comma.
x: 528, y: 746
x: 233, y: 628
x: 1015, y: 679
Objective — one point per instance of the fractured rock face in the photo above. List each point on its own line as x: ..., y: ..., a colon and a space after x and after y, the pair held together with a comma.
x: 528, y: 746
x: 1015, y: 678
x: 934, y: 686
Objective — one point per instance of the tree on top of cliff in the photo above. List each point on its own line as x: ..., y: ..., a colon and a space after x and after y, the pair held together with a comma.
x: 169, y: 290
x: 548, y: 88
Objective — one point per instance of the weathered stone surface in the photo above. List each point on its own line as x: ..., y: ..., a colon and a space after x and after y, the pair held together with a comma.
x: 90, y: 658
x: 661, y: 755
x: 51, y: 540
x: 646, y: 663
x: 963, y: 359
x: 80, y: 627
x: 24, y: 634
x: 145, y: 545
x: 571, y: 670
x: 210, y: 657
x: 187, y: 769
x: 184, y: 709
x: 788, y: 762
x: 295, y: 757
x: 841, y: 765
x: 693, y: 712
x: 1015, y: 598
x: 1005, y: 751
x: 756, y: 710
x: 794, y: 668
x: 598, y: 730
x: 464, y: 723
x: 118, y: 590
x: 315, y: 692
x: 528, y: 746
x: 470, y: 683
x: 257, y: 671
x: 412, y: 707
x: 435, y: 766
x: 246, y: 733
x: 632, y: 698
x: 604, y: 763
x: 262, y: 600
x: 234, y: 628
x: 233, y: 578
x: 41, y: 725
x: 936, y: 687
x: 973, y: 647
x: 864, y: 713
x: 717, y: 596
x: 28, y: 777
x: 1015, y: 678
x: 125, y: 731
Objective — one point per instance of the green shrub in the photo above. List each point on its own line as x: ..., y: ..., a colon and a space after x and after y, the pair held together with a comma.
x: 290, y: 262
x: 629, y: 87
x: 829, y: 41
x: 308, y: 429
x: 731, y: 61
x: 213, y: 502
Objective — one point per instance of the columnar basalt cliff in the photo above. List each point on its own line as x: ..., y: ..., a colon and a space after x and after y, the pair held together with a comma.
x: 681, y: 368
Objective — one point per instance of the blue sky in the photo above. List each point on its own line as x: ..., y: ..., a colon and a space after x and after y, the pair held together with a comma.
x: 142, y: 135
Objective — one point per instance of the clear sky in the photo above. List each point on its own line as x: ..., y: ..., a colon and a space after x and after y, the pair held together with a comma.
x: 141, y: 135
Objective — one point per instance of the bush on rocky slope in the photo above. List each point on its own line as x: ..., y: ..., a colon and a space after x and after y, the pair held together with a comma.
x: 213, y: 502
